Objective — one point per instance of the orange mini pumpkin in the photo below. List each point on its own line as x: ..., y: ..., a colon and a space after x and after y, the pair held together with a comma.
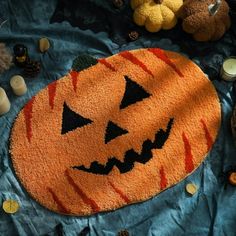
x: 116, y: 133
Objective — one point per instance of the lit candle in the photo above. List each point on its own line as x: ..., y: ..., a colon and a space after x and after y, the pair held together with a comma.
x: 228, y: 70
x: 18, y: 85
x: 4, y: 102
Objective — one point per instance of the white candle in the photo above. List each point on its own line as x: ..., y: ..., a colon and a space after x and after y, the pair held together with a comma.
x: 18, y: 85
x: 4, y: 102
x: 228, y: 70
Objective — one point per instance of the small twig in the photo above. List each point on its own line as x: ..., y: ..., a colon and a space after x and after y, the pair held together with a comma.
x: 2, y: 23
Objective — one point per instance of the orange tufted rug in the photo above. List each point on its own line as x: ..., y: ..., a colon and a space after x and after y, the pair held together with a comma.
x: 116, y: 133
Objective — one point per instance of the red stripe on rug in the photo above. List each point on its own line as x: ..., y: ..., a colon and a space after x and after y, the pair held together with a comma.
x: 163, y: 182
x: 107, y: 64
x: 161, y: 55
x: 74, y: 77
x: 59, y: 203
x: 207, y: 135
x: 129, y: 56
x: 122, y: 195
x: 28, y: 109
x: 80, y: 192
x: 52, y: 92
x: 188, y: 154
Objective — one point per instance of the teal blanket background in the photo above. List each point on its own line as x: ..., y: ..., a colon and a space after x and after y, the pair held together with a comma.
x: 209, y: 212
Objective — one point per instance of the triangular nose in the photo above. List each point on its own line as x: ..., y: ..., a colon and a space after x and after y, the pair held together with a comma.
x: 113, y: 131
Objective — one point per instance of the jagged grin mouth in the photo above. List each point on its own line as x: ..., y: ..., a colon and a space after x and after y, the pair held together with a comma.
x: 130, y: 156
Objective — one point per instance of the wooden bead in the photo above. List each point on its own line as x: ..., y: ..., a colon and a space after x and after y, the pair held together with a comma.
x: 44, y: 45
x: 191, y: 188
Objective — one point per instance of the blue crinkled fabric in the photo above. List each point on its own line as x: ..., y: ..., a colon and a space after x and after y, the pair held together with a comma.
x: 97, y: 28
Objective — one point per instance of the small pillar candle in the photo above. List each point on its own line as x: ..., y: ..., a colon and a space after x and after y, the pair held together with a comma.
x: 228, y: 70
x: 4, y: 102
x: 18, y: 85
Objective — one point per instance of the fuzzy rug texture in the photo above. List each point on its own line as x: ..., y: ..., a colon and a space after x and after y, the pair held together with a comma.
x: 116, y: 133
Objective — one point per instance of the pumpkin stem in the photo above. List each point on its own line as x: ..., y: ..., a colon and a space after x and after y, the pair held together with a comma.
x: 213, y: 8
x: 158, y: 1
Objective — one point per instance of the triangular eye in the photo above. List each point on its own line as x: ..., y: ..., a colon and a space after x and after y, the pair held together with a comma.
x: 133, y: 93
x: 72, y: 120
x: 113, y: 131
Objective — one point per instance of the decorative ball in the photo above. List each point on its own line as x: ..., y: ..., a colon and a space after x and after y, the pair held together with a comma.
x: 206, y: 24
x: 5, y: 58
x: 20, y: 55
x: 156, y: 14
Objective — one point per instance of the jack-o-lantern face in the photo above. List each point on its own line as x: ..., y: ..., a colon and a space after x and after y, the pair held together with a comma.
x: 116, y: 133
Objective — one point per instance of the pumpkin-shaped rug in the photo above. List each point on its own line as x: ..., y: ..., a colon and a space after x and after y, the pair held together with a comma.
x: 116, y: 133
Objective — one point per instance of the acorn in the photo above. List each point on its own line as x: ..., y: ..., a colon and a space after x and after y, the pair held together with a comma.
x: 32, y: 68
x: 123, y: 233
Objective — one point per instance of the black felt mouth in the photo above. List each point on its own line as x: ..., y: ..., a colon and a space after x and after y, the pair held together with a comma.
x: 130, y: 156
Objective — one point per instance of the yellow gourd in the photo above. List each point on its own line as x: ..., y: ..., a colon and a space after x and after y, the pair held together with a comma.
x: 156, y: 14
